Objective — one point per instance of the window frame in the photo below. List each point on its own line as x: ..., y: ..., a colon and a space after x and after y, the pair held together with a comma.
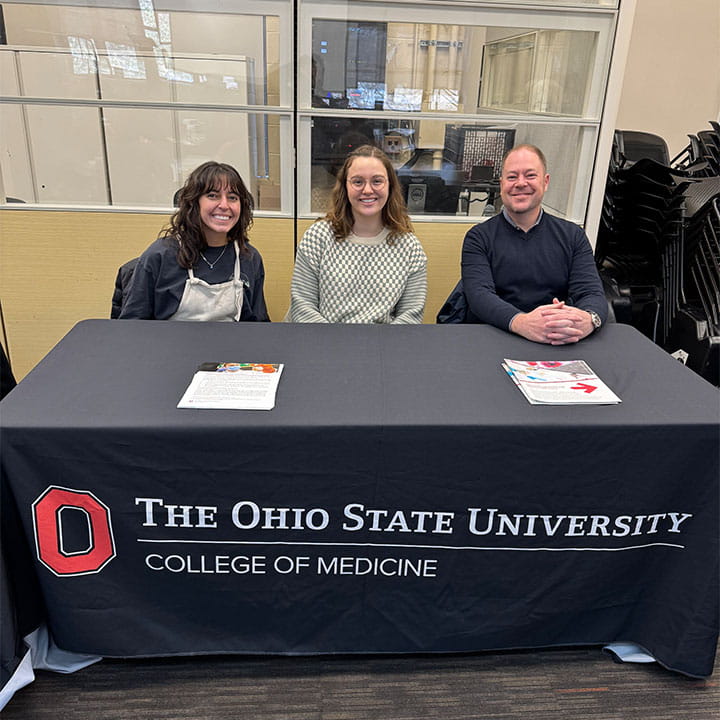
x: 282, y: 9
x: 602, y: 20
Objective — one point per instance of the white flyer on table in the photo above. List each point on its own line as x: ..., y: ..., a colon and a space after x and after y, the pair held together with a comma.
x: 233, y: 386
x: 559, y: 382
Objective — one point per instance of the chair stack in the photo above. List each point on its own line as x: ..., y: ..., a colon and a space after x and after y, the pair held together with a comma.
x: 639, y: 247
x: 702, y: 154
x: 658, y: 247
x: 696, y: 329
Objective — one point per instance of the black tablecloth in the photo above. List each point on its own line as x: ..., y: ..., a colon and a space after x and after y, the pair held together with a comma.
x: 402, y: 496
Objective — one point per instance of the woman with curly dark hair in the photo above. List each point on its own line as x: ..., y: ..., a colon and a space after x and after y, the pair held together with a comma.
x: 202, y: 266
x: 361, y: 263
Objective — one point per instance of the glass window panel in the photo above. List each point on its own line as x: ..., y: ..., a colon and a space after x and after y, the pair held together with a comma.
x: 137, y: 157
x: 433, y: 159
x: 424, y: 67
x: 147, y: 170
x: 141, y: 156
x: 536, y: 3
x: 222, y: 135
x: 130, y: 54
x: 448, y: 168
x: 139, y: 79
x: 561, y: 3
x: 16, y: 175
x: 49, y: 74
x: 544, y: 72
x: 66, y: 147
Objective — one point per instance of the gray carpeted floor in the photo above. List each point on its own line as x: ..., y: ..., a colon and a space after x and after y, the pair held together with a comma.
x: 573, y: 684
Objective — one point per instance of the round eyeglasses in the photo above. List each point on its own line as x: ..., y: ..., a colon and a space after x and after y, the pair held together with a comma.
x: 376, y: 183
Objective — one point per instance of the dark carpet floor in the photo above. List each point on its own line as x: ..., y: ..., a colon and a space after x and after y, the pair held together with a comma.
x: 571, y: 684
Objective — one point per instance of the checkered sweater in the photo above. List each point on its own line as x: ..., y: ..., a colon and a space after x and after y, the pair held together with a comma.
x: 350, y: 282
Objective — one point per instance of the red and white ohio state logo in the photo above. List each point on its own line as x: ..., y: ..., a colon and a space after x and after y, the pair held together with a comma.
x: 48, y: 512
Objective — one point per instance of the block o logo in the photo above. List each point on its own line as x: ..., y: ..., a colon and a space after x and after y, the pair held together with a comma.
x: 48, y: 512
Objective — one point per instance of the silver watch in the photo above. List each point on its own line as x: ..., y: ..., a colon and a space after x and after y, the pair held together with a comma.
x: 596, y: 321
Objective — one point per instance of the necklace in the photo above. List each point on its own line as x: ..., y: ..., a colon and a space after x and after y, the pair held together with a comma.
x: 212, y: 264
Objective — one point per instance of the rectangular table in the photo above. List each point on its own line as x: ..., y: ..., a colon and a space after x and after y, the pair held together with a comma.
x: 402, y: 496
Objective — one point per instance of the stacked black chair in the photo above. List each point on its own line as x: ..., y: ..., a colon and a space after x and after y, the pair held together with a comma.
x: 710, y: 147
x: 639, y: 245
x: 701, y: 156
x: 696, y: 329
x: 633, y: 145
x: 658, y: 247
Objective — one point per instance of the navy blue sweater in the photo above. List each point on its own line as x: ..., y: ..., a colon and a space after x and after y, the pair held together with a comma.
x: 158, y: 281
x: 506, y: 270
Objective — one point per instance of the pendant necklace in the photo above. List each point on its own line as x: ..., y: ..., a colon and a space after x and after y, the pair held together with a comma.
x: 212, y: 264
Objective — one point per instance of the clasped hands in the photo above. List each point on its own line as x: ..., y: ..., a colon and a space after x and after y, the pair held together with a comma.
x: 555, y: 324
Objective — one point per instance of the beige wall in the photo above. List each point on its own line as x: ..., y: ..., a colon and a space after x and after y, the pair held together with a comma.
x: 672, y: 78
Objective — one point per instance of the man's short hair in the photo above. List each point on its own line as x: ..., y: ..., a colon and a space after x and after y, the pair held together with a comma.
x: 525, y: 146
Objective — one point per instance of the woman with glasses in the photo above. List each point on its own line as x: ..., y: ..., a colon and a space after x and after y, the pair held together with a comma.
x: 202, y: 266
x: 361, y: 263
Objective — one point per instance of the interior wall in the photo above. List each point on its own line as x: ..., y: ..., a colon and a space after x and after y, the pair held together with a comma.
x: 672, y: 78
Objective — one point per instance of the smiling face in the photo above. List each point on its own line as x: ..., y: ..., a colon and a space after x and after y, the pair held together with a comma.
x: 219, y: 210
x: 522, y: 186
x: 367, y: 188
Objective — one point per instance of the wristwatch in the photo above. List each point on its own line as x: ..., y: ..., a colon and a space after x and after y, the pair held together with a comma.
x: 596, y: 321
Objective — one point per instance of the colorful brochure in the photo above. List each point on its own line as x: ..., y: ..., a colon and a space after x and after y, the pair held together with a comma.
x: 233, y: 386
x: 559, y: 382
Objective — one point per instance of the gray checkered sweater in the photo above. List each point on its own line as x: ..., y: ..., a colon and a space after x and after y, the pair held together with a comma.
x: 354, y: 282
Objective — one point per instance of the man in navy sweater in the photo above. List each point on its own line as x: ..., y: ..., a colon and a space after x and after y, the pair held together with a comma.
x: 527, y: 271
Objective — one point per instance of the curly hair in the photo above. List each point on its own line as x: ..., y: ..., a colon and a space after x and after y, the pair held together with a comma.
x: 185, y: 225
x: 394, y: 212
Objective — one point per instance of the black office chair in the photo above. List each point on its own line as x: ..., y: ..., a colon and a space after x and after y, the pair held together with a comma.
x: 7, y: 379
x: 634, y: 145
x: 455, y: 308
x: 122, y: 285
x: 693, y: 159
x: 482, y: 181
x: 710, y: 149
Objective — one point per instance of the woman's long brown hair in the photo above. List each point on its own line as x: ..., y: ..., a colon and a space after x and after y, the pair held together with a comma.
x: 185, y: 225
x: 394, y: 214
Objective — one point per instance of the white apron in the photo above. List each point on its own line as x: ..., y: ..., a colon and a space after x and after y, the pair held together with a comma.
x: 215, y: 303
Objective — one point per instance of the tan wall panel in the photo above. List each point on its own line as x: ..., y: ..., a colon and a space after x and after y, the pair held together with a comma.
x: 443, y: 245
x: 274, y: 239
x: 57, y: 268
